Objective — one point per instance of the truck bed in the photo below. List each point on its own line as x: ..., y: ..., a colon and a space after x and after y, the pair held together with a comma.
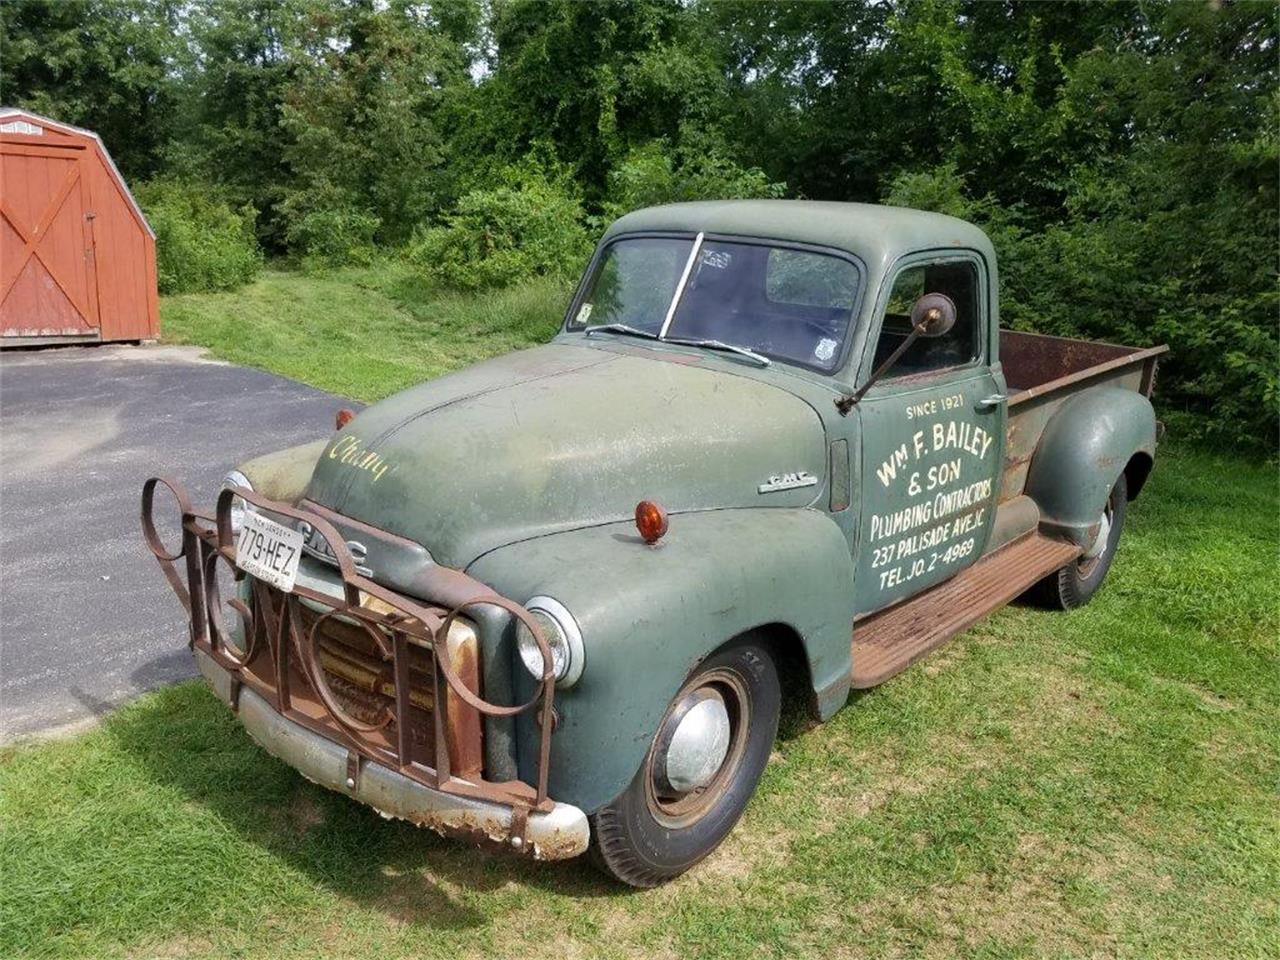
x: 1042, y: 371
x: 1035, y: 364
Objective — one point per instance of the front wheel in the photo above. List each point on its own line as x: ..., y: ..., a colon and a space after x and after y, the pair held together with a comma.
x: 1078, y: 581
x: 702, y: 767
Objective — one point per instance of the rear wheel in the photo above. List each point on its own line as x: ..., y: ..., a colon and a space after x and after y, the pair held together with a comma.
x: 702, y: 767
x: 1076, y: 583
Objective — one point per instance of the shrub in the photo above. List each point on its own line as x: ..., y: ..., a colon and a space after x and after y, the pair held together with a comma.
x: 201, y: 242
x: 330, y: 237
x: 1118, y: 267
x: 653, y: 174
x: 529, y: 223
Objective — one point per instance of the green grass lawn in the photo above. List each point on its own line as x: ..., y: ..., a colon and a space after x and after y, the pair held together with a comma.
x: 1100, y: 783
x: 362, y: 333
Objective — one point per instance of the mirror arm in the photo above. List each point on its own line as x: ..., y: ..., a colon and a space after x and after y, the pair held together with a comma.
x: 847, y: 402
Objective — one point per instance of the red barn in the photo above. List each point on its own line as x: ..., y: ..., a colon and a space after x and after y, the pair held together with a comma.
x: 77, y: 257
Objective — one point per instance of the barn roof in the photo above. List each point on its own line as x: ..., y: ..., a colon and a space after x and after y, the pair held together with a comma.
x: 7, y: 115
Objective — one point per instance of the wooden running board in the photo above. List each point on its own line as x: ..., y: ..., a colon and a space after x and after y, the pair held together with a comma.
x: 889, y: 641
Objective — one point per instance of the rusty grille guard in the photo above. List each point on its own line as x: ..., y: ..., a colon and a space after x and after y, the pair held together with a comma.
x: 208, y: 540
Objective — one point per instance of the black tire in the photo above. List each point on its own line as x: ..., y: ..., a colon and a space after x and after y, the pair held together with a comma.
x: 642, y: 840
x: 1076, y: 583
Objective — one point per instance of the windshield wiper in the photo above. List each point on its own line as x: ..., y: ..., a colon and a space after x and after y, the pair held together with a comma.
x: 721, y: 345
x: 709, y: 344
x: 620, y: 328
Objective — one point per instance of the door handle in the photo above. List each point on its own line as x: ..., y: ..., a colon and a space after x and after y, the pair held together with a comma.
x: 986, y: 403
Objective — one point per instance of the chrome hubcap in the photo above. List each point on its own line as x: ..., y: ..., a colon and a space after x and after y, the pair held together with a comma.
x: 698, y: 749
x: 696, y: 736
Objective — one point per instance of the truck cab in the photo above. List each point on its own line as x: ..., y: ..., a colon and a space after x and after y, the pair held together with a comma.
x: 550, y: 600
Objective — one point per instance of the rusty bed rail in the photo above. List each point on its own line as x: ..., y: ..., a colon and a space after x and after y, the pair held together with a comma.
x: 275, y: 629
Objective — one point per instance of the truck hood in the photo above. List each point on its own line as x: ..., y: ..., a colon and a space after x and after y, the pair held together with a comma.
x: 561, y: 437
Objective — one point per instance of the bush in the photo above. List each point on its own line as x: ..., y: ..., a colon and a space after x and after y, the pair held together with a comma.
x: 202, y: 244
x: 530, y: 223
x: 651, y: 174
x: 330, y: 237
x: 1123, y: 267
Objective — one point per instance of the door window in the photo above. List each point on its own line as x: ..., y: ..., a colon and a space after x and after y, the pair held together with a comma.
x: 958, y: 279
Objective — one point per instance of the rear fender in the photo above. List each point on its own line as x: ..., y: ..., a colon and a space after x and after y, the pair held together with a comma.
x: 1086, y: 445
x: 649, y: 615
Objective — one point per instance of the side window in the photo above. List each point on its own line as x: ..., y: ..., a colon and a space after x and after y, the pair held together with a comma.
x: 958, y: 279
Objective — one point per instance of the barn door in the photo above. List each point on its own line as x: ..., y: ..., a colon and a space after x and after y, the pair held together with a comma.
x: 47, y: 286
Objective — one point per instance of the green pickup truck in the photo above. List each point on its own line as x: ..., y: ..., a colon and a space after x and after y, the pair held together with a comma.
x: 552, y: 601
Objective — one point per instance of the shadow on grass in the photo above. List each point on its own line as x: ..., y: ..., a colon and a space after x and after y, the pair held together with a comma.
x: 184, y: 737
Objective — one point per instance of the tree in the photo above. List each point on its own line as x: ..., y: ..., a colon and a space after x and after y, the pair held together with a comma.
x: 593, y: 79
x: 361, y: 110
x: 237, y: 67
x: 97, y: 64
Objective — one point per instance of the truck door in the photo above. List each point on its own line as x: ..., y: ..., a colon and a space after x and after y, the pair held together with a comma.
x: 932, y: 435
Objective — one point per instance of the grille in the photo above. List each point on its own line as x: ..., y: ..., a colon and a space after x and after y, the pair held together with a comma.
x: 364, y: 684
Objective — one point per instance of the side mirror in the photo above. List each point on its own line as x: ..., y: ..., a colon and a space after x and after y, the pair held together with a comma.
x: 933, y: 315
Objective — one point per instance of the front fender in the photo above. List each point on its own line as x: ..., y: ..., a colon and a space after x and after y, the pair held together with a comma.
x: 1086, y: 445
x: 650, y: 614
x: 283, y: 474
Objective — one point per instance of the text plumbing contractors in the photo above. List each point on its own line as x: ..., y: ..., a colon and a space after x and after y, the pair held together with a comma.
x: 948, y: 503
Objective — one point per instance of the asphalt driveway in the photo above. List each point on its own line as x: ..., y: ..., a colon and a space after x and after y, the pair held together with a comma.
x: 86, y: 619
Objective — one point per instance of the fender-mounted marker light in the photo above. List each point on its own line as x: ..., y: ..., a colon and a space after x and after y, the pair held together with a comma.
x: 651, y: 521
x: 343, y: 418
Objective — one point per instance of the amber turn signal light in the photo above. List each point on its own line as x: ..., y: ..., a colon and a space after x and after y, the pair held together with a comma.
x: 343, y: 418
x: 651, y: 521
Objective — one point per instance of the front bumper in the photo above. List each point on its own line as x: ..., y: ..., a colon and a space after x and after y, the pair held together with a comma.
x: 363, y: 689
x: 558, y: 834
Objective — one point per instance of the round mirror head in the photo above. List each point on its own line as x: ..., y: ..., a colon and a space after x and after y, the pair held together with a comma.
x: 933, y: 315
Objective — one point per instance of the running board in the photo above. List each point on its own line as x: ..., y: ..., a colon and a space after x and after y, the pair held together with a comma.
x: 889, y: 641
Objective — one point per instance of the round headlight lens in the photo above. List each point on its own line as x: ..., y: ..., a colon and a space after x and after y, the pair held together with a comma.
x: 561, y: 632
x: 238, y: 506
x: 532, y: 656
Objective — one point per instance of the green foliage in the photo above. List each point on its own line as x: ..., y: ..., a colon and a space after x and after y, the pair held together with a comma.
x: 593, y: 79
x: 1122, y: 155
x: 329, y: 234
x: 654, y: 173
x: 100, y: 64
x: 202, y: 244
x: 233, y: 77
x: 528, y: 223
x: 359, y: 112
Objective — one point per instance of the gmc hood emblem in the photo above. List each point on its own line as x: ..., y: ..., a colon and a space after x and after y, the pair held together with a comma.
x: 315, y: 545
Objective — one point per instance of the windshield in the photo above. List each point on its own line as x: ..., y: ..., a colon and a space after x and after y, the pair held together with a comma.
x: 789, y: 304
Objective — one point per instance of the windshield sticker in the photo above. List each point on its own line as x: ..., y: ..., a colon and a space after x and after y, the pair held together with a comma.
x: 584, y: 314
x: 825, y: 350
x: 720, y: 259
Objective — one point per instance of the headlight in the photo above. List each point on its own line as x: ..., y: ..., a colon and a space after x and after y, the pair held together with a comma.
x: 561, y: 632
x: 238, y: 506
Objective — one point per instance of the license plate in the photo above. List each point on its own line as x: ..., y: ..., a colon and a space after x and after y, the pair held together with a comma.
x: 269, y: 551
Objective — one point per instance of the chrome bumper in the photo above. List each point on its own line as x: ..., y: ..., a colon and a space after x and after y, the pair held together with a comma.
x: 558, y: 834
